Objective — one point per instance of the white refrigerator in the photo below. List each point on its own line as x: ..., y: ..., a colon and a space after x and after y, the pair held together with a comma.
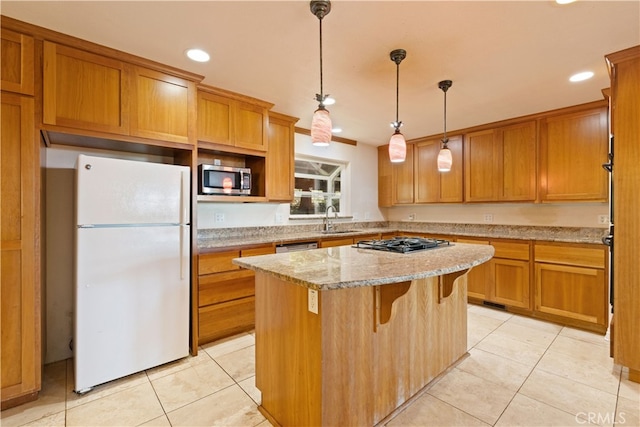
x: 132, y: 267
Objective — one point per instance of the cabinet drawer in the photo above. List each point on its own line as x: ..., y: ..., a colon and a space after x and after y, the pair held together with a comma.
x: 366, y: 237
x: 220, y: 287
x: 263, y: 250
x: 217, y: 262
x: 570, y: 255
x: 472, y: 241
x: 220, y: 320
x: 336, y: 242
x: 428, y: 235
x: 511, y: 250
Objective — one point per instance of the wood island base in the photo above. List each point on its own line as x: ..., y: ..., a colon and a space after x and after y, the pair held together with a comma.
x: 367, y: 352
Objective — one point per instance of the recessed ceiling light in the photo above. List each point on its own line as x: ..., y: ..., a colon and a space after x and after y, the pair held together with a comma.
x: 336, y: 130
x: 197, y: 55
x: 329, y: 101
x: 564, y: 1
x: 585, y: 75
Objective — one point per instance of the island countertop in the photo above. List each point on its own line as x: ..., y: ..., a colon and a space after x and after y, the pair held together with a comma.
x: 349, y: 267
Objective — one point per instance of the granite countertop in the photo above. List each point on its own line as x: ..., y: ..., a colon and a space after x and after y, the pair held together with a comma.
x: 213, y: 239
x: 283, y: 236
x: 348, y: 267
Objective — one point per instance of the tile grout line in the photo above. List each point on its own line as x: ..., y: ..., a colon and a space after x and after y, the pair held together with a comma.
x: 527, y: 377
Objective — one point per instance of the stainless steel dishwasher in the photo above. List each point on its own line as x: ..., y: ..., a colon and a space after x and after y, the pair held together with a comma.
x: 295, y: 247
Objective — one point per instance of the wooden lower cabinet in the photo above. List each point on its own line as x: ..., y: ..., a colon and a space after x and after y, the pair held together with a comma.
x: 20, y: 272
x: 571, y: 285
x: 226, y: 293
x: 510, y: 274
x: 477, y: 278
x: 505, y: 279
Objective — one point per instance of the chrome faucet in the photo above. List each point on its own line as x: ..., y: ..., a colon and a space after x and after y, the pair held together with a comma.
x: 327, y: 223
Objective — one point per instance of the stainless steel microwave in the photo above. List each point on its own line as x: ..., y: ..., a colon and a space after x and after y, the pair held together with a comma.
x: 224, y: 180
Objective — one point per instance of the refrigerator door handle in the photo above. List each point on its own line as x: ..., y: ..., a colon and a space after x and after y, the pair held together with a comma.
x: 185, y: 196
x: 184, y: 250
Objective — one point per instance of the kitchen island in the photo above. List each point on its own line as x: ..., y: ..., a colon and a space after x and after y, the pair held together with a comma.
x: 346, y: 336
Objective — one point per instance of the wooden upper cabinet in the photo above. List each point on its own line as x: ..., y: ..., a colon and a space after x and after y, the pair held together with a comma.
x: 85, y: 91
x: 385, y: 178
x: 402, y: 181
x: 215, y: 119
x: 480, y: 159
x: 432, y: 186
x: 518, y: 148
x: 281, y: 157
x: 500, y: 163
x: 251, y: 126
x: 573, y: 147
x: 232, y: 119
x: 17, y: 65
x: 162, y: 106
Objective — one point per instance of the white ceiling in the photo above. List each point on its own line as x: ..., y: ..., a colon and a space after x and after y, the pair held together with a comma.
x: 506, y: 58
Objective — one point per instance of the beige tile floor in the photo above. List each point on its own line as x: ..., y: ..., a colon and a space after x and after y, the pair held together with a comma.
x: 520, y: 372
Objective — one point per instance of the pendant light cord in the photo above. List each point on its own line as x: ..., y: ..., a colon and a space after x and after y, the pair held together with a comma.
x: 397, y: 94
x: 321, y: 100
x: 444, y: 138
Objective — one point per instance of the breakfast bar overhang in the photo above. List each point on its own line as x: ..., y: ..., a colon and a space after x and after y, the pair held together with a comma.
x: 346, y: 336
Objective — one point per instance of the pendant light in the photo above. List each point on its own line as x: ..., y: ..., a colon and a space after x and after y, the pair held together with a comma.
x: 321, y: 122
x: 397, y: 144
x: 444, y: 156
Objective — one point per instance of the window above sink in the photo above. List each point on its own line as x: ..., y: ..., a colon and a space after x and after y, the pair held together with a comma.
x: 319, y: 183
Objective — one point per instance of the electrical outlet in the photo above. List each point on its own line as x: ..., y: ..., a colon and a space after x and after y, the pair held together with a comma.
x: 279, y: 219
x: 219, y: 217
x: 313, y: 301
x: 603, y: 219
x: 355, y: 216
x: 412, y: 217
x: 488, y: 217
x: 367, y: 215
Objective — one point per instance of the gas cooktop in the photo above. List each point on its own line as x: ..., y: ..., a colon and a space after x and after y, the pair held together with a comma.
x: 402, y: 244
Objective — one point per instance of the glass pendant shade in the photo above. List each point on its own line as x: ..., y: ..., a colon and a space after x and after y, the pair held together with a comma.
x: 397, y: 148
x: 321, y: 128
x: 445, y: 160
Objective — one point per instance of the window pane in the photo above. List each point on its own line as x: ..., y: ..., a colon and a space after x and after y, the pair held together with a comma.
x: 308, y: 184
x: 315, y: 168
x: 317, y: 185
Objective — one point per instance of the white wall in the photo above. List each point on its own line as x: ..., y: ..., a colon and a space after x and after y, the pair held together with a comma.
x: 361, y: 204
